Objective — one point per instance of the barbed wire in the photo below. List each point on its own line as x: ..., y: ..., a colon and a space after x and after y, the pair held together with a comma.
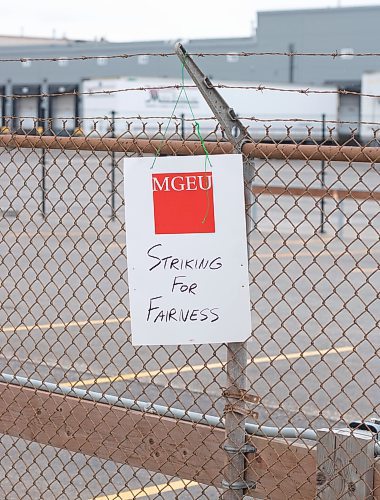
x: 305, y: 91
x: 87, y: 58
x: 183, y: 118
x: 334, y: 55
x: 259, y: 88
x: 95, y: 92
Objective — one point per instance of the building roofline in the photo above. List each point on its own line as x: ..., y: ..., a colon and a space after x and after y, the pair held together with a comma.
x: 108, y: 48
x: 31, y: 37
x: 325, y: 10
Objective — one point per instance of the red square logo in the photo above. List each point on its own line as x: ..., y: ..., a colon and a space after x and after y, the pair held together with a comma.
x: 183, y: 203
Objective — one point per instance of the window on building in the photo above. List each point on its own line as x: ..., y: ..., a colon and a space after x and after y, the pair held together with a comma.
x: 232, y: 58
x: 62, y: 62
x: 143, y: 59
x: 346, y: 53
x: 102, y: 61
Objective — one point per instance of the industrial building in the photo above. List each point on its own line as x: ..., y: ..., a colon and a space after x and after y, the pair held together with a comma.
x: 345, y: 31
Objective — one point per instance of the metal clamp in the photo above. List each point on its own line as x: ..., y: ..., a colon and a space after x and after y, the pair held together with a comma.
x: 242, y: 484
x: 241, y: 395
x: 246, y: 448
x: 236, y: 408
x: 239, y: 485
x: 235, y: 131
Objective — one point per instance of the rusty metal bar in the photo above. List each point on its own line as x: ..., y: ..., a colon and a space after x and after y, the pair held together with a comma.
x: 118, y: 145
x: 337, y: 194
x: 363, y: 154
x: 270, y: 151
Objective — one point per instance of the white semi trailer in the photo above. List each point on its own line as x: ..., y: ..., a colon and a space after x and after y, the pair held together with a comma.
x: 103, y: 96
x: 370, y: 107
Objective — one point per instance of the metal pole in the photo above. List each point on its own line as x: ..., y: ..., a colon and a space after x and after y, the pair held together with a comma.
x: 323, y: 185
x: 113, y: 169
x: 8, y: 105
x: 237, y: 354
x: 275, y: 151
x: 291, y: 63
x: 43, y: 183
x: 183, y: 126
x: 44, y: 105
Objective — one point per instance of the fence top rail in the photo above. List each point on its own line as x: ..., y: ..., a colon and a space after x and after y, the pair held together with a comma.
x: 360, y: 154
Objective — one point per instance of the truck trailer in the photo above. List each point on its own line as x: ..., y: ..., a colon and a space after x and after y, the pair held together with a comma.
x: 269, y: 114
x: 370, y: 108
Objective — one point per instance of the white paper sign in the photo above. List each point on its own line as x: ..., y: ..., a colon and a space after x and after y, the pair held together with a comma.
x: 187, y: 250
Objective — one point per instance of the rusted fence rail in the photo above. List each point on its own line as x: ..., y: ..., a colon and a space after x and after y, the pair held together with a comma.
x: 275, y: 151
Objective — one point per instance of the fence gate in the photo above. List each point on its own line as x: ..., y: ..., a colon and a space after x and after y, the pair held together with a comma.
x: 86, y: 415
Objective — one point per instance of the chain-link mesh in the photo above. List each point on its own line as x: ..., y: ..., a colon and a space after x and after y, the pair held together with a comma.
x: 87, y: 415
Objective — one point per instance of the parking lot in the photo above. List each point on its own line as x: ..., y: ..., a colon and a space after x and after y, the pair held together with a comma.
x: 64, y: 316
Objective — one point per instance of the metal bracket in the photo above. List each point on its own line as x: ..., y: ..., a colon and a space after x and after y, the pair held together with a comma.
x: 372, y: 425
x: 235, y: 408
x: 241, y: 395
x: 233, y: 128
x: 239, y: 485
x: 246, y: 448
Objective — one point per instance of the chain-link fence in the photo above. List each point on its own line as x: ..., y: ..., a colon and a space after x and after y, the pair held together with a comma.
x: 85, y: 414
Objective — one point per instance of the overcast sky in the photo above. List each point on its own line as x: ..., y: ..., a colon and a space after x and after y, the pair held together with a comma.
x: 128, y: 20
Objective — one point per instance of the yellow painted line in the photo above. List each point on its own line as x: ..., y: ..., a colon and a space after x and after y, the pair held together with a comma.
x: 365, y: 270
x: 296, y: 253
x: 149, y: 490
x: 47, y: 326
x: 306, y: 354
x: 61, y: 235
x: 290, y: 243
x: 209, y: 366
x: 144, y: 374
x: 44, y: 233
x: 307, y: 253
x: 303, y: 253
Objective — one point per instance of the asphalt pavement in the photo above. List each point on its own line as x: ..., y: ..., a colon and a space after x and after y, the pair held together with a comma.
x: 64, y: 316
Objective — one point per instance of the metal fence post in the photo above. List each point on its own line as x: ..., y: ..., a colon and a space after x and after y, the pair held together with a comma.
x: 8, y: 107
x: 323, y: 184
x: 340, y: 217
x: 291, y: 63
x: 183, y: 137
x: 113, y: 169
x: 42, y: 125
x: 237, y: 385
x: 237, y: 354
